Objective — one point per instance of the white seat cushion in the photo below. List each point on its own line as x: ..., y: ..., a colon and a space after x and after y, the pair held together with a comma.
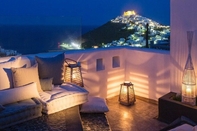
x: 62, y: 97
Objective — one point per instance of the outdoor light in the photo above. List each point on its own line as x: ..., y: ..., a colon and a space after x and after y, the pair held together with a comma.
x: 189, y: 78
x: 72, y: 72
x: 127, y: 94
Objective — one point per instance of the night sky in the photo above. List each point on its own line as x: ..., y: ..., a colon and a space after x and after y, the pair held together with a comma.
x: 89, y: 12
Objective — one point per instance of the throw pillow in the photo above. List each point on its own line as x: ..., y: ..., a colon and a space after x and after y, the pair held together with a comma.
x: 94, y: 105
x: 46, y: 84
x: 6, y: 80
x: 17, y: 94
x: 51, y: 67
x: 23, y: 76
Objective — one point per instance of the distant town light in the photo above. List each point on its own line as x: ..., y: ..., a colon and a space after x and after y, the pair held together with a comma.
x: 72, y: 45
x: 75, y: 45
x: 95, y: 46
x: 129, y: 13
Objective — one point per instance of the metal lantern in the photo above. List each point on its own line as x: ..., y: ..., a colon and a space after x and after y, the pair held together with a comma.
x: 127, y: 94
x: 72, y: 72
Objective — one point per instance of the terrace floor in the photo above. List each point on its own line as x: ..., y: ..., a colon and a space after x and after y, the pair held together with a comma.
x: 142, y: 116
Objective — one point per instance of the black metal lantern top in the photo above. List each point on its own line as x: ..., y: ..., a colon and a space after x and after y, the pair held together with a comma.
x: 72, y: 72
x: 127, y: 94
x: 128, y: 83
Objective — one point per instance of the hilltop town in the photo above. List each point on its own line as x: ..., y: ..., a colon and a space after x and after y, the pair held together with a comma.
x: 158, y: 35
x: 129, y: 29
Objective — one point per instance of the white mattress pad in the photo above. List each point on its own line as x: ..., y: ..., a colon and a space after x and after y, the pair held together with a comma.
x: 62, y: 97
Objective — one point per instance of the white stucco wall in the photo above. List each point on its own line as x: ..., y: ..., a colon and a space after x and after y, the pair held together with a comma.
x: 183, y: 18
x: 103, y: 83
x: 147, y: 69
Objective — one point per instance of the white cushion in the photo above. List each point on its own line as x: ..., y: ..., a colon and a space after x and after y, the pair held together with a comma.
x: 46, y: 84
x: 23, y: 76
x: 184, y: 127
x: 45, y: 96
x: 72, y: 87
x: 6, y: 80
x: 62, y: 97
x: 17, y: 94
x: 58, y: 92
x: 94, y: 105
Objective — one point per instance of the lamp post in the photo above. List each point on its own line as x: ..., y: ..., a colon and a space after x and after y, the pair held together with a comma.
x: 147, y: 31
x: 127, y: 94
x: 72, y: 72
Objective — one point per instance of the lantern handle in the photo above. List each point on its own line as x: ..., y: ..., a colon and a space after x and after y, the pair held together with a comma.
x: 71, y: 62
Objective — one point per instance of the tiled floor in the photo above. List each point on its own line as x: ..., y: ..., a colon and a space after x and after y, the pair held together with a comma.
x: 142, y: 116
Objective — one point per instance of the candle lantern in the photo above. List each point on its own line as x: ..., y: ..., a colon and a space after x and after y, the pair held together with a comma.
x: 189, y: 78
x: 72, y: 72
x: 127, y: 94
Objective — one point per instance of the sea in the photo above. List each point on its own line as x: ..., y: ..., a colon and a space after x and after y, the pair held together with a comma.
x: 32, y: 39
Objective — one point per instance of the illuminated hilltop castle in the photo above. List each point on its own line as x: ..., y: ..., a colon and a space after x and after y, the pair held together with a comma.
x: 128, y: 13
x: 158, y: 34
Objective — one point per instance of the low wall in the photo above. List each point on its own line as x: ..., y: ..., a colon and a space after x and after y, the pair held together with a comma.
x: 105, y: 69
x: 147, y: 69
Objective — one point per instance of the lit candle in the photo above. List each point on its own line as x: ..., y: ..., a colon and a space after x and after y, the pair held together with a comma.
x: 125, y: 90
x: 188, y: 91
x: 73, y: 76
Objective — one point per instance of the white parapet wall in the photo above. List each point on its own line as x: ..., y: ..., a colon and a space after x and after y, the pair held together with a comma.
x: 105, y: 69
x: 149, y: 71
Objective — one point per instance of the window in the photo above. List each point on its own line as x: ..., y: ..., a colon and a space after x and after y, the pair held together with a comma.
x: 115, y: 61
x: 99, y: 64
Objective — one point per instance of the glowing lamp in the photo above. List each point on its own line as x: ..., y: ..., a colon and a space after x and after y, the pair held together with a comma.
x: 189, y: 78
x: 127, y: 94
x: 189, y: 87
x: 72, y: 72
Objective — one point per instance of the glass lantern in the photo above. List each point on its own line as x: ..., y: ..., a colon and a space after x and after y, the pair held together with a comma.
x: 127, y: 94
x: 189, y: 78
x: 72, y: 72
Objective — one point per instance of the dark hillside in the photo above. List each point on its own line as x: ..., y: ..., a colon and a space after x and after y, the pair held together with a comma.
x: 105, y: 34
